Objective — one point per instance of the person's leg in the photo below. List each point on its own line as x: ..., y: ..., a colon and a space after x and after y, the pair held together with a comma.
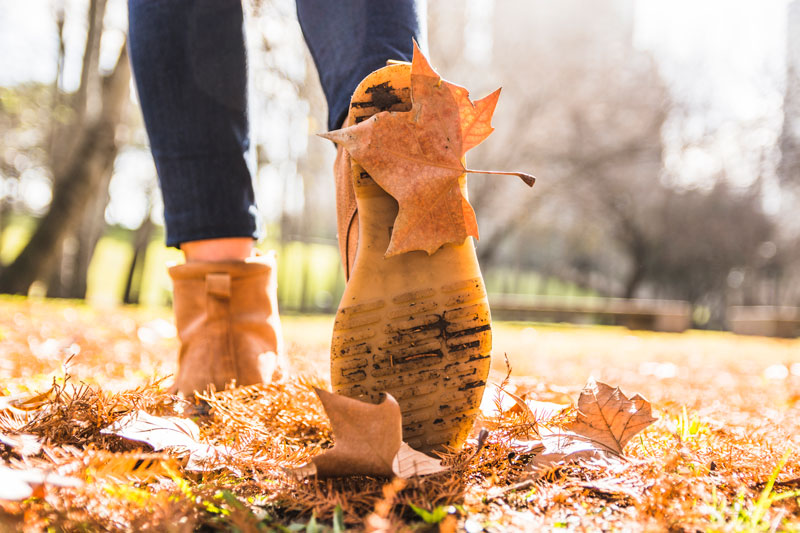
x: 415, y: 325
x: 190, y: 68
x: 227, y: 249
x: 348, y: 39
x: 189, y: 63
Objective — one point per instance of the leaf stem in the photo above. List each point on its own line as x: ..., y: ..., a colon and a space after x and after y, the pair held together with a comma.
x: 527, y: 178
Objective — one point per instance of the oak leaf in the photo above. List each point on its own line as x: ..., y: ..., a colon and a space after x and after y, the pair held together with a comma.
x: 417, y: 156
x: 368, y: 440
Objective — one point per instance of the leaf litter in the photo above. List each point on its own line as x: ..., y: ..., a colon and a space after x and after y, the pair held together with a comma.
x: 265, y: 428
x: 606, y: 420
x: 710, y: 461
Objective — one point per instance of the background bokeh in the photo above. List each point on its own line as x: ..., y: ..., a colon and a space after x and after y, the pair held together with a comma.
x: 665, y: 137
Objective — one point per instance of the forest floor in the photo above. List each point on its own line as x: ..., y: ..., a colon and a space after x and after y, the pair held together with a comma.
x: 724, y: 454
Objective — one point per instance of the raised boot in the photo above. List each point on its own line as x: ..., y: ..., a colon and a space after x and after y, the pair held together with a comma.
x: 226, y: 315
x: 414, y: 325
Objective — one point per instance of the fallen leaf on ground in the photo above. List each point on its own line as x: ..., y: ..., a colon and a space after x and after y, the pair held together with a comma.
x: 567, y: 447
x: 527, y: 446
x: 608, y: 417
x: 368, y: 441
x: 408, y: 462
x: 16, y: 485
x: 606, y: 421
x: 170, y: 433
x: 417, y: 157
x: 21, y: 403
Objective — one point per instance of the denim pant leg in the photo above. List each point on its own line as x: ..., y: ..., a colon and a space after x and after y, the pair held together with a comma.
x: 349, y: 39
x: 189, y: 63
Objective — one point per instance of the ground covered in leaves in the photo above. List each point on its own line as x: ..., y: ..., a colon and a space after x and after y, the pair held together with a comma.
x: 724, y: 454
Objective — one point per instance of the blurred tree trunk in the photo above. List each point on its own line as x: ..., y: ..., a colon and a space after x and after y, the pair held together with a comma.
x: 141, y: 239
x: 59, y: 273
x: 85, y: 103
x: 635, y: 277
x: 3, y: 218
x: 76, y: 181
x: 69, y: 270
x: 58, y: 143
x: 84, y: 241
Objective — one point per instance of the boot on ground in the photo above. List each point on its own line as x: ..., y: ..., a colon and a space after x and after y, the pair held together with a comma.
x: 414, y: 325
x: 226, y: 314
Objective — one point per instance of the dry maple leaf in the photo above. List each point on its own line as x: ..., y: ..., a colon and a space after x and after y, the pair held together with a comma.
x: 368, y: 440
x: 608, y: 417
x: 417, y: 157
x: 605, y: 422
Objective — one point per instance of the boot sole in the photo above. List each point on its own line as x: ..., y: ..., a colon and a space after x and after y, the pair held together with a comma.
x: 415, y: 325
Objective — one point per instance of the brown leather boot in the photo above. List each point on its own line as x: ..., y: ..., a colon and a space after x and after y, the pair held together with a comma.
x: 226, y: 314
x: 414, y: 325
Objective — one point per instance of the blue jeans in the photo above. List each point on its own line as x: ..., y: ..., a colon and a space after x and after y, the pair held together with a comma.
x: 190, y: 66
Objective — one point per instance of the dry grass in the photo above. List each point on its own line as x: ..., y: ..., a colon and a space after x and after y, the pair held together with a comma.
x: 704, y: 466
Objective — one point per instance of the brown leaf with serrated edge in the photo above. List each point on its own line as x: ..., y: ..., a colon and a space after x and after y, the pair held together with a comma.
x: 606, y: 421
x: 417, y: 157
x: 608, y: 417
x: 368, y: 441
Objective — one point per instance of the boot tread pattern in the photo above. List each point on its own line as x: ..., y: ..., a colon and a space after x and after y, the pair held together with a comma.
x: 432, y: 357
